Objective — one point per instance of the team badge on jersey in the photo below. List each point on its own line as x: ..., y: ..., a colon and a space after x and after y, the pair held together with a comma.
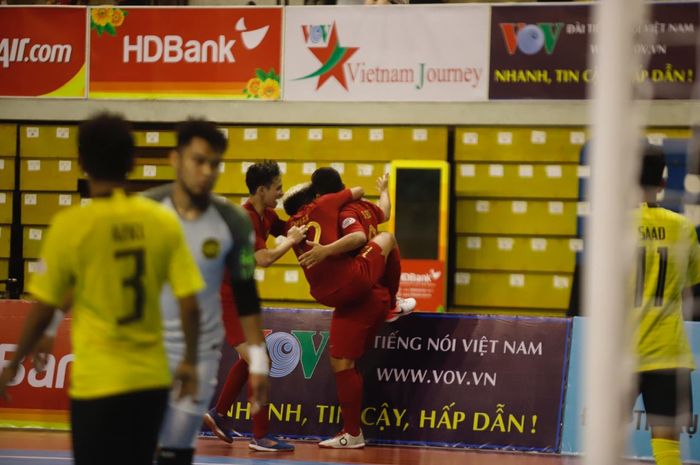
x: 211, y: 248
x: 347, y: 222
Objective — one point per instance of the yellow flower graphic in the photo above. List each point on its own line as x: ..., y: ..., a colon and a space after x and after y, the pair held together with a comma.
x: 117, y: 18
x: 253, y: 86
x: 102, y: 16
x: 270, y: 90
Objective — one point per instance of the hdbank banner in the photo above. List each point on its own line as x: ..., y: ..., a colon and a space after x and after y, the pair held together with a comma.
x: 431, y: 379
x: 387, y: 54
x: 42, y: 52
x: 545, y: 52
x: 639, y: 434
x: 39, y: 399
x: 185, y: 53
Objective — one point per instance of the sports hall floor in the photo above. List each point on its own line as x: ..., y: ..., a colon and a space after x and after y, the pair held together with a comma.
x: 53, y: 448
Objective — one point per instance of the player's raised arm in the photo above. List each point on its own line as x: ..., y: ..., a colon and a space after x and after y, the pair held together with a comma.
x: 384, y: 202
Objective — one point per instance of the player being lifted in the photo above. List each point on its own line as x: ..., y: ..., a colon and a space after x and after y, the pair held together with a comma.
x: 360, y: 304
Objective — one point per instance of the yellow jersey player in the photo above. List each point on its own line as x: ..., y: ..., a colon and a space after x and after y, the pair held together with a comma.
x: 114, y: 255
x: 668, y: 262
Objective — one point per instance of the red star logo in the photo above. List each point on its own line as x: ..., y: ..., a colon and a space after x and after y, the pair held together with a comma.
x: 333, y: 58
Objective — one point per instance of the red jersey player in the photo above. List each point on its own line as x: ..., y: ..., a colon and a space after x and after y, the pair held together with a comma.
x: 265, y: 186
x: 348, y: 284
x: 361, y: 219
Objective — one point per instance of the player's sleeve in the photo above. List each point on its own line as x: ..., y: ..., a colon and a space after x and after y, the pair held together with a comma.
x: 349, y: 222
x: 55, y: 275
x: 240, y: 260
x: 183, y: 273
x: 693, y: 276
x: 259, y: 241
x: 336, y: 200
x: 278, y: 227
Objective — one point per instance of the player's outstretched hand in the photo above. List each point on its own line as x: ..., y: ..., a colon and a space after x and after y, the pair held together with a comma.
x: 41, y: 352
x: 260, y: 391
x: 317, y: 254
x: 297, y: 233
x: 6, y: 375
x: 186, y: 380
x: 383, y: 182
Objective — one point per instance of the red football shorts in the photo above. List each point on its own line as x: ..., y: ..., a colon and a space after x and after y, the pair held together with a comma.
x: 229, y: 314
x: 354, y: 326
x: 354, y: 278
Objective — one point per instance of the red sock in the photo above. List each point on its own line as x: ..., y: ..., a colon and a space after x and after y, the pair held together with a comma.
x: 349, y: 386
x: 235, y: 380
x: 261, y: 420
x: 392, y: 274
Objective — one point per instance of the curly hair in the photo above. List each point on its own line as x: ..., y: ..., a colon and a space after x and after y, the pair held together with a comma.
x: 106, y: 147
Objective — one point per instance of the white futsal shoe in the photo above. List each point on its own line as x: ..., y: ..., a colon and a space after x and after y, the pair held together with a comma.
x: 403, y: 307
x: 344, y: 440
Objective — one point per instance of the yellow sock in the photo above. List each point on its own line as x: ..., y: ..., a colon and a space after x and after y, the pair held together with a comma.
x: 666, y: 451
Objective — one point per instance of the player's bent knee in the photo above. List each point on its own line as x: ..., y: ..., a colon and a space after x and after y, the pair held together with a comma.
x: 386, y: 241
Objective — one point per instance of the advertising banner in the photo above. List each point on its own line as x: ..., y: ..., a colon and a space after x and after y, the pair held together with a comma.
x: 42, y: 51
x: 185, y: 53
x: 545, y: 52
x: 387, y: 54
x: 39, y: 399
x: 639, y: 433
x: 424, y: 280
x: 431, y: 379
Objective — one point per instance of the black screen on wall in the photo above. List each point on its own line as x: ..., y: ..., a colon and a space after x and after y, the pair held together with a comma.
x: 417, y: 207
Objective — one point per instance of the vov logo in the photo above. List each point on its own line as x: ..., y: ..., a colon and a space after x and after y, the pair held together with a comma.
x: 531, y: 38
x: 288, y: 350
x: 316, y: 35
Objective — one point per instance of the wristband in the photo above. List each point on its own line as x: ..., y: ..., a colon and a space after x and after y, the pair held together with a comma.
x: 259, y: 362
x: 52, y: 328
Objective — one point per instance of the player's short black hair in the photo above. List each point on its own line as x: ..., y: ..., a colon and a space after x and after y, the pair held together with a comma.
x: 326, y: 180
x: 262, y: 173
x: 298, y: 196
x: 106, y: 147
x: 653, y: 165
x: 195, y: 127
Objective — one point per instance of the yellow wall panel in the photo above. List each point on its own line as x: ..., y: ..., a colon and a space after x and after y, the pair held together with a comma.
x: 232, y: 178
x: 5, y: 232
x: 516, y: 253
x: 542, y: 144
x: 38, y: 174
x: 4, y: 268
x: 156, y: 138
x: 8, y: 140
x: 282, y: 283
x: 517, y: 290
x: 552, y: 181
x: 48, y: 141
x: 7, y: 173
x: 32, y: 238
x: 333, y: 143
x: 38, y: 208
x: 5, y: 207
x: 516, y: 217
x: 152, y: 170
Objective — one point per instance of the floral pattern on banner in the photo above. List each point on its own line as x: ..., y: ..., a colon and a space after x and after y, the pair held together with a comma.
x: 107, y: 19
x: 264, y: 86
